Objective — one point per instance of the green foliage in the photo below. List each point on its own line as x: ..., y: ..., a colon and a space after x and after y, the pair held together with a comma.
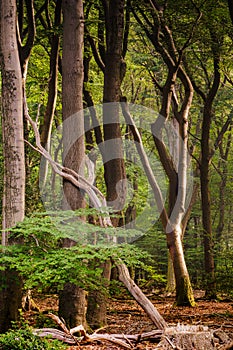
x: 24, y: 339
x: 154, y: 242
x: 44, y: 263
x: 224, y: 271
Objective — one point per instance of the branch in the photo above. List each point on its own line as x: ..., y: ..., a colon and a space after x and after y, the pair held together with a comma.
x: 221, y: 134
x: 68, y: 338
x: 140, y: 297
x: 96, y: 55
x: 97, y: 198
x: 126, y: 29
x: 145, y: 162
x: 119, y: 339
x: 26, y: 49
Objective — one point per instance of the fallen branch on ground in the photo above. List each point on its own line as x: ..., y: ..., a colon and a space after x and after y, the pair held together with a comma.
x: 183, y: 337
x: 126, y: 341
x: 140, y: 297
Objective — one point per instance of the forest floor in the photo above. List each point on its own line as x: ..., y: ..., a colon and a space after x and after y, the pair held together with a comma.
x: 125, y: 316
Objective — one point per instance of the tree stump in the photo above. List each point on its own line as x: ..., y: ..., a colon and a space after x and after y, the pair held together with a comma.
x: 187, y: 338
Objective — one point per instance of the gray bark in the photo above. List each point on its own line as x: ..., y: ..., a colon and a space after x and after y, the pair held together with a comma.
x: 13, y: 152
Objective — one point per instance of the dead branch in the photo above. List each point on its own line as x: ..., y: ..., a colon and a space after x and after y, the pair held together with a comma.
x: 72, y: 340
x: 65, y: 329
x: 145, y: 162
x: 126, y: 341
x: 185, y: 337
x: 140, y: 297
x: 96, y: 197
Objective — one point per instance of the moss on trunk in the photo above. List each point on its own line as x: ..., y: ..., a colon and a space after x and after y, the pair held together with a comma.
x: 184, y: 293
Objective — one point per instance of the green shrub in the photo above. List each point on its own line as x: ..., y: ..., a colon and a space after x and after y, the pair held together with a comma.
x: 24, y: 339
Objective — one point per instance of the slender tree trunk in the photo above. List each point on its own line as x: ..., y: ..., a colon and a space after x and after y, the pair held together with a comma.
x: 13, y: 153
x: 207, y: 227
x: 171, y: 281
x: 223, y: 162
x: 205, y: 179
x: 206, y: 211
x: 72, y: 302
x: 52, y: 94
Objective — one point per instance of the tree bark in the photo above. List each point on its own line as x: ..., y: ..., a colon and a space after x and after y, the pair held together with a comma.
x: 72, y: 102
x: 98, y: 301
x: 114, y: 168
x: 206, y: 209
x: 72, y: 304
x: 184, y: 293
x: 13, y: 153
x: 12, y: 120
x: 205, y: 181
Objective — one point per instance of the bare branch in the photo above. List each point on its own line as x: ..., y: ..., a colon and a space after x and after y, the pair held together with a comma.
x: 141, y: 299
x: 145, y: 162
x: 96, y: 55
x: 97, y: 198
x: 221, y: 134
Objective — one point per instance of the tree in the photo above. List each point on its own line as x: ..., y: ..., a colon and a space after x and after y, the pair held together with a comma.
x: 153, y: 22
x: 13, y: 152
x: 72, y: 299
x: 110, y: 59
x: 46, y: 127
x: 211, y: 79
x: 114, y: 71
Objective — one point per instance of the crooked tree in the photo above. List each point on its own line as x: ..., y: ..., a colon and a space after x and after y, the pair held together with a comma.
x: 152, y: 20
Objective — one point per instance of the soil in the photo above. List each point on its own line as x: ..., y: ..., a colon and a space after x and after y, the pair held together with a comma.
x: 125, y: 316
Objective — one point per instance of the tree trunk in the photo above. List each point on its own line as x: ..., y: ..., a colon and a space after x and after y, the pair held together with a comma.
x: 114, y: 168
x: 184, y: 293
x: 141, y: 299
x: 206, y: 222
x: 171, y: 282
x: 98, y: 302
x: 10, y: 298
x: 72, y: 302
x: 223, y: 168
x: 52, y: 95
x: 12, y: 120
x: 13, y: 153
x: 205, y: 183
x: 73, y: 305
x: 72, y: 102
